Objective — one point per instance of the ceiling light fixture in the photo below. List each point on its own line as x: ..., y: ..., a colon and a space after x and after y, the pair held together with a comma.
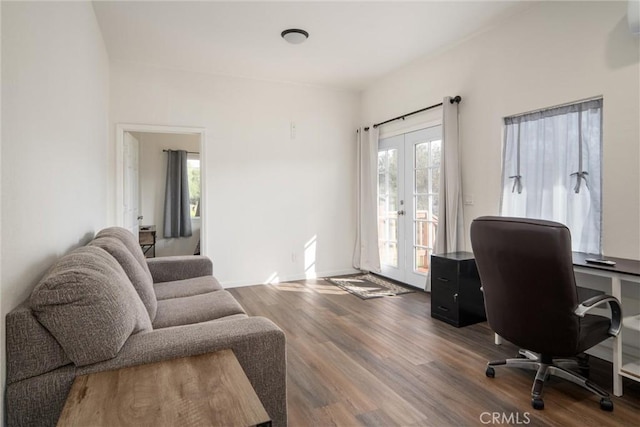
x: 295, y: 36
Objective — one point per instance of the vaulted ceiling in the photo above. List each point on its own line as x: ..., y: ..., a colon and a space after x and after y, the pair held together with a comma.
x: 351, y: 44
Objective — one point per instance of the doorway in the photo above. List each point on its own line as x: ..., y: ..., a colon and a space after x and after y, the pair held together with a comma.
x: 408, y: 190
x: 141, y: 181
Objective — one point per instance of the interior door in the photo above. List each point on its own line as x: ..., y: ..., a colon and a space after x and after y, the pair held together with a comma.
x: 131, y: 190
x: 408, y: 185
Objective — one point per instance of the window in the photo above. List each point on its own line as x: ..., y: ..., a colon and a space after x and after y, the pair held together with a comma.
x: 552, y: 169
x: 193, y: 171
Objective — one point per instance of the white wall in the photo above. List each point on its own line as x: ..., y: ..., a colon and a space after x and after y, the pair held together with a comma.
x: 551, y: 53
x: 153, y: 175
x: 55, y: 92
x: 267, y: 194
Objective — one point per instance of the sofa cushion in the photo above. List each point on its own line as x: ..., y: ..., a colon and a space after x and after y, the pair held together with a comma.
x: 186, y: 287
x: 195, y: 309
x: 31, y: 349
x: 89, y: 305
x: 179, y: 267
x: 130, y: 241
x: 137, y: 275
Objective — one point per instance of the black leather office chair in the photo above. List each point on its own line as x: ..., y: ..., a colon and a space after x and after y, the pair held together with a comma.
x: 531, y: 300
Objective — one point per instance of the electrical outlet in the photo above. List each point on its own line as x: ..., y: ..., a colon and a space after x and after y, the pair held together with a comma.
x: 468, y: 200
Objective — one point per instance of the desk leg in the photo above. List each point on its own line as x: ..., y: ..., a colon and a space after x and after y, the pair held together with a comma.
x: 616, y: 291
x: 497, y: 339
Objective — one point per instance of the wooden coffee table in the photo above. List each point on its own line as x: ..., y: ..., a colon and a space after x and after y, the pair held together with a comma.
x: 209, y: 389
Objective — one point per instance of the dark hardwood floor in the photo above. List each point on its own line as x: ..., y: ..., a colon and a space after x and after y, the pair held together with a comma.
x: 386, y: 362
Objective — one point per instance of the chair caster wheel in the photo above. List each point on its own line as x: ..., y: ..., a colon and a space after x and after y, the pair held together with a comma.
x: 537, y: 403
x: 490, y: 372
x: 606, y: 404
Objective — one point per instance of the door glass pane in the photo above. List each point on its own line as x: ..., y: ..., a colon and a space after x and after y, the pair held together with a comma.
x: 422, y: 155
x: 435, y: 180
x: 393, y: 201
x: 421, y: 260
x: 393, y: 172
x: 423, y: 231
x: 422, y: 207
x: 388, y: 206
x: 435, y: 153
x: 421, y: 181
x: 382, y: 161
x: 382, y: 185
x: 393, y: 229
x: 434, y: 207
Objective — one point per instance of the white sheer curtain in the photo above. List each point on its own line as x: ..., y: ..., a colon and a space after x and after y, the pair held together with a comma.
x: 366, y: 256
x: 551, y: 169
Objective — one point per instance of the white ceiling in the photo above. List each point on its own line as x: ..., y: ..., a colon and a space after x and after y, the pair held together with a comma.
x: 351, y: 44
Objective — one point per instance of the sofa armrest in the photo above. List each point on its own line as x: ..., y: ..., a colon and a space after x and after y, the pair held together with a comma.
x: 170, y: 268
x: 258, y: 344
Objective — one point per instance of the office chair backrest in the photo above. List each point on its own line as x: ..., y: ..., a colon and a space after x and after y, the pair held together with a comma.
x: 526, y: 270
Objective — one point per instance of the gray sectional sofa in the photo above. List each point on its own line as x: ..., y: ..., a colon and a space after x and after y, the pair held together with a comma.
x: 105, y: 306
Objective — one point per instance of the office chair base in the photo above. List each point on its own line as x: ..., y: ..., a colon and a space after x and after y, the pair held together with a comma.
x: 537, y: 403
x: 606, y: 404
x: 545, y: 366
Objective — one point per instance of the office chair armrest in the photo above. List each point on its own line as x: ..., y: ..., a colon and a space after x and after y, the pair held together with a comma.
x: 614, y: 305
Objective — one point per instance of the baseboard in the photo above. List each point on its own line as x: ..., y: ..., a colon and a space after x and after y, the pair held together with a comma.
x: 289, y: 278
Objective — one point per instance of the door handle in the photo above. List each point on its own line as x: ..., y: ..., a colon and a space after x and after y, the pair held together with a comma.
x: 455, y: 297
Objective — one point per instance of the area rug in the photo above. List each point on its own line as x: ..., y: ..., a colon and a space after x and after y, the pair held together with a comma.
x: 368, y: 286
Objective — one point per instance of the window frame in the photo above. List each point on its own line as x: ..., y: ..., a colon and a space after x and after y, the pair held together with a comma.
x: 567, y: 141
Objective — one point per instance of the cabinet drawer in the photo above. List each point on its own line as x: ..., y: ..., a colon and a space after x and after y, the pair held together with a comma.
x: 444, y: 304
x: 443, y: 270
x: 444, y: 282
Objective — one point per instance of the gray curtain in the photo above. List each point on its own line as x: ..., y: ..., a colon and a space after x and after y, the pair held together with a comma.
x: 177, y: 218
x: 450, y: 234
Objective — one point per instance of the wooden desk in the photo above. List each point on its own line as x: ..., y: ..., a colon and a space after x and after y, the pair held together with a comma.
x: 626, y: 271
x: 209, y: 389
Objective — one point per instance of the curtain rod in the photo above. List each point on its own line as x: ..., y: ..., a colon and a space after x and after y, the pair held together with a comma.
x: 456, y: 98
x: 540, y: 110
x: 188, y: 152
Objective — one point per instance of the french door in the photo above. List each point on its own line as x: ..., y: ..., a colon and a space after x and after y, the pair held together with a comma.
x: 408, y: 185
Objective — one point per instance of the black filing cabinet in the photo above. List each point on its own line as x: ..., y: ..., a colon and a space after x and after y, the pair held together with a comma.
x: 456, y: 297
